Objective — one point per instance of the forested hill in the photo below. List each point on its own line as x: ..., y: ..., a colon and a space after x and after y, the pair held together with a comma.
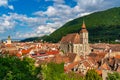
x: 102, y: 26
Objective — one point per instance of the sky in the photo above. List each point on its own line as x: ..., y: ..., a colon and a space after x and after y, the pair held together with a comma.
x: 30, y: 18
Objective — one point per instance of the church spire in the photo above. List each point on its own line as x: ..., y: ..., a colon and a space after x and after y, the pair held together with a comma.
x: 9, y: 37
x: 83, y: 25
x: 83, y: 28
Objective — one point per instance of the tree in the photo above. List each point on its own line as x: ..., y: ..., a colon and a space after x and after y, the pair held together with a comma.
x: 54, y: 71
x: 92, y: 75
x: 12, y: 68
x: 73, y: 76
x: 114, y: 76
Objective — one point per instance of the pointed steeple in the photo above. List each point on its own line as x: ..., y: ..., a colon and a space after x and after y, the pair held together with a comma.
x: 9, y: 37
x: 83, y: 28
x: 83, y: 25
x: 8, y: 40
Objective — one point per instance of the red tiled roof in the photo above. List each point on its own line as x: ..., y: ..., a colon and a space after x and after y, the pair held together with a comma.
x: 86, y: 64
x: 52, y: 52
x: 97, y: 56
x: 117, y: 56
x: 18, y: 55
x: 59, y: 59
x: 25, y: 51
x: 118, y: 69
x: 71, y: 56
x: 115, y: 47
x: 56, y: 59
x: 71, y: 38
x: 100, y: 46
x: 8, y: 45
x: 70, y: 66
x: 105, y: 66
x: 99, y: 72
x: 91, y: 60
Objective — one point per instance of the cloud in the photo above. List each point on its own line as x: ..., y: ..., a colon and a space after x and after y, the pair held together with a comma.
x: 97, y: 5
x: 11, y: 7
x: 24, y: 20
x: 6, y: 23
x: 25, y: 35
x: 89, y: 2
x: 56, y: 15
x: 13, y: 19
x: 51, y: 11
x: 5, y: 4
x: 61, y: 13
x: 37, y: 24
x: 57, y: 1
x: 48, y: 28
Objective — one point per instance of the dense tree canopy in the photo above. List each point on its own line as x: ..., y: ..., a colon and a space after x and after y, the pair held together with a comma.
x: 12, y: 68
x: 92, y: 75
x: 114, y: 76
x: 53, y: 71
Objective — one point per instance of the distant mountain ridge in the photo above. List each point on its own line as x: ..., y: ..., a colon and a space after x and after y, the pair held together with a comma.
x: 102, y: 26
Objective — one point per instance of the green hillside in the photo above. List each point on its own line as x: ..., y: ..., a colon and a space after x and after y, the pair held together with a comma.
x: 102, y: 26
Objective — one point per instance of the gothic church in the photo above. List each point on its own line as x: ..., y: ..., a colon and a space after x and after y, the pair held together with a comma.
x: 76, y: 42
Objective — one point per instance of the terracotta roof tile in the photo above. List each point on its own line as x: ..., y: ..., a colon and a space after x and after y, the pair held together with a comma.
x: 117, y: 56
x: 118, y: 69
x: 25, y: 51
x: 52, y: 52
x: 71, y: 56
x: 18, y: 55
x: 59, y: 59
x: 71, y: 66
x: 97, y: 56
x: 71, y: 38
x: 115, y: 47
x: 86, y: 64
x: 99, y: 72
x: 91, y: 60
x: 105, y: 66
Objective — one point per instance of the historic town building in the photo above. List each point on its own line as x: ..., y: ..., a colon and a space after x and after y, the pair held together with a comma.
x: 76, y: 42
x: 8, y: 40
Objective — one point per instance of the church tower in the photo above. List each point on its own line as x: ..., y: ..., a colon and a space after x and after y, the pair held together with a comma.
x: 84, y: 34
x: 9, y: 40
x: 84, y: 39
x: 76, y: 42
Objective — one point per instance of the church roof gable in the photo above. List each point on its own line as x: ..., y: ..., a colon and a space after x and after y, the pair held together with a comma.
x: 71, y: 38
